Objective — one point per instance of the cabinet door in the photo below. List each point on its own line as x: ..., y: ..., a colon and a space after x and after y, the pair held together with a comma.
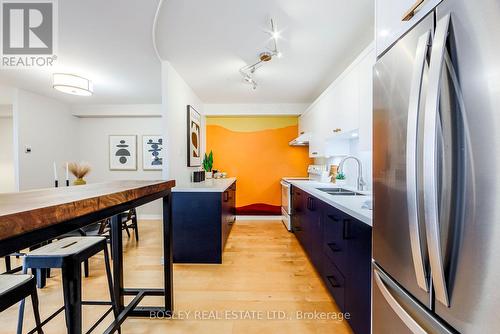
x: 389, y: 26
x: 334, y: 243
x: 348, y: 111
x: 225, y: 216
x: 298, y: 213
x: 335, y: 283
x: 317, y: 143
x: 365, y: 74
x: 358, y: 278
x: 315, y: 232
x: 305, y: 123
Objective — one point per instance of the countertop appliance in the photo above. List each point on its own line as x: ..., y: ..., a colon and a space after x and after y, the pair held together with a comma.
x: 436, y: 231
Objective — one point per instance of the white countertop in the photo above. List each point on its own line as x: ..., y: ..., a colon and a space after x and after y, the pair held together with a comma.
x: 209, y: 185
x: 352, y: 205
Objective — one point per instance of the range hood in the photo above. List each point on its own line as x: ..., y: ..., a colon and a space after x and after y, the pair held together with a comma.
x: 302, y: 140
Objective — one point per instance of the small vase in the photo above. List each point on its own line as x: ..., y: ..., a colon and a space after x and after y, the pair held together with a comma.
x: 79, y: 182
x: 208, y: 175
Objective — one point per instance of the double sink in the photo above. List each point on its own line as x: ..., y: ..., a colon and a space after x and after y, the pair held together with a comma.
x: 340, y: 192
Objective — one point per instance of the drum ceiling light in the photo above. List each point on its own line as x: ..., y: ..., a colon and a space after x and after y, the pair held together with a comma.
x: 72, y: 84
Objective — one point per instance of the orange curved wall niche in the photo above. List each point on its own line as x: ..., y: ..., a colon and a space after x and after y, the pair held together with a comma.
x: 256, y: 151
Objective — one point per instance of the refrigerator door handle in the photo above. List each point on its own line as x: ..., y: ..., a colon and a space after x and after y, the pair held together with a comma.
x: 431, y: 206
x: 413, y: 325
x: 418, y: 254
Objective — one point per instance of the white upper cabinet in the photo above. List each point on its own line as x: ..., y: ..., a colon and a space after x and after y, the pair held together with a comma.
x: 345, y: 106
x: 389, y: 23
x: 365, y: 72
x: 305, y: 123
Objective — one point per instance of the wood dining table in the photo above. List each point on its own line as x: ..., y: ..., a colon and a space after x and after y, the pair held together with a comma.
x: 28, y: 218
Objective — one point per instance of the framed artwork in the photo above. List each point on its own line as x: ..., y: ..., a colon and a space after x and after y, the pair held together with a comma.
x: 123, y: 152
x: 153, y: 152
x: 193, y: 137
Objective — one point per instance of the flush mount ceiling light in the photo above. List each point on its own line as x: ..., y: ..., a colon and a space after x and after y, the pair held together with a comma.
x: 72, y: 84
x: 247, y: 72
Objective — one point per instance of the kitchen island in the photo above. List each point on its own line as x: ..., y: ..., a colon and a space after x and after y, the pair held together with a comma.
x: 203, y: 215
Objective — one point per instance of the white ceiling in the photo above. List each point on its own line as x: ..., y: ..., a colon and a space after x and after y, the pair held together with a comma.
x: 209, y: 41
x: 108, y: 42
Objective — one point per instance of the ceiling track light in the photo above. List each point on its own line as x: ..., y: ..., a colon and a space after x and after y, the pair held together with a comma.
x: 264, y: 57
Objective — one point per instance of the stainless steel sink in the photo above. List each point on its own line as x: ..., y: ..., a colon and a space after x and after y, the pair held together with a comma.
x: 340, y: 192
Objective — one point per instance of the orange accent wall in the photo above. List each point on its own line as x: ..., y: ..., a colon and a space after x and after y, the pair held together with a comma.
x: 259, y: 159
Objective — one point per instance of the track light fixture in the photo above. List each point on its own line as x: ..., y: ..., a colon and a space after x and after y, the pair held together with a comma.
x: 247, y: 72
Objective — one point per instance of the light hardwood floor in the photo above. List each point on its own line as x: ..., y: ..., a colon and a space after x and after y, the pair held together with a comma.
x: 264, y: 269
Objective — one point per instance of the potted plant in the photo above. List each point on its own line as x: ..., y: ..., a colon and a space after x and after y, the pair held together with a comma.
x: 79, y: 170
x: 340, y: 179
x: 208, y: 162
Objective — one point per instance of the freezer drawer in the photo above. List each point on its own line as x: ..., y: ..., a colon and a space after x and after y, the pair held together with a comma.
x: 395, y: 311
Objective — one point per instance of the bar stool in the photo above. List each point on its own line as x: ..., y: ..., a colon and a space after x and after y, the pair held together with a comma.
x: 15, y: 288
x: 68, y: 254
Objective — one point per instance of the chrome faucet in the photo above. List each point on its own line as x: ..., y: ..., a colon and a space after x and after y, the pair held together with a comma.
x: 361, y: 181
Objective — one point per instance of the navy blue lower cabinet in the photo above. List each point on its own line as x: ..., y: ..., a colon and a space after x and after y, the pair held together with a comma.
x: 335, y: 283
x: 334, y: 241
x: 307, y: 212
x: 201, y: 223
x: 299, y: 199
x: 358, y: 279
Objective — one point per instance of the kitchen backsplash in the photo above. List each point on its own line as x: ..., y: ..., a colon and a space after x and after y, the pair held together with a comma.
x: 351, y: 169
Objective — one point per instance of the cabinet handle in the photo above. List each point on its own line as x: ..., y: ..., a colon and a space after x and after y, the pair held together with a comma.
x: 333, y: 281
x: 302, y: 132
x: 337, y: 130
x: 334, y: 218
x: 346, y: 229
x: 314, y: 153
x: 412, y: 11
x: 334, y: 248
x: 226, y: 196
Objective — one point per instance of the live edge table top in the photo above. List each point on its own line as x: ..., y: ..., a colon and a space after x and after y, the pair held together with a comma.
x: 27, y: 211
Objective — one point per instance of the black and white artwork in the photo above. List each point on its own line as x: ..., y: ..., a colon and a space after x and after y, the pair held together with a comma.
x: 123, y: 152
x: 193, y: 137
x: 153, y: 152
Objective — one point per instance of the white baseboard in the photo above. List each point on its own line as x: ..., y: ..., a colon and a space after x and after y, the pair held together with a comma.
x: 266, y: 218
x: 149, y: 217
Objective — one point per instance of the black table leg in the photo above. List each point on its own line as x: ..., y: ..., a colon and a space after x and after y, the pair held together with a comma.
x: 167, y: 254
x: 117, y: 251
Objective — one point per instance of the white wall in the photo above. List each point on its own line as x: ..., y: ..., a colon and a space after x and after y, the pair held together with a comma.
x: 93, y: 135
x: 47, y: 126
x: 176, y: 96
x: 7, y: 175
x: 255, y: 109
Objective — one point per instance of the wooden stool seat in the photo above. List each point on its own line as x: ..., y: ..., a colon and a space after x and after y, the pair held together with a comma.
x: 10, y: 282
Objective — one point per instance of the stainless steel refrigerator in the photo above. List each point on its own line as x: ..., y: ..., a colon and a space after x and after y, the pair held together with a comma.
x: 436, y: 230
